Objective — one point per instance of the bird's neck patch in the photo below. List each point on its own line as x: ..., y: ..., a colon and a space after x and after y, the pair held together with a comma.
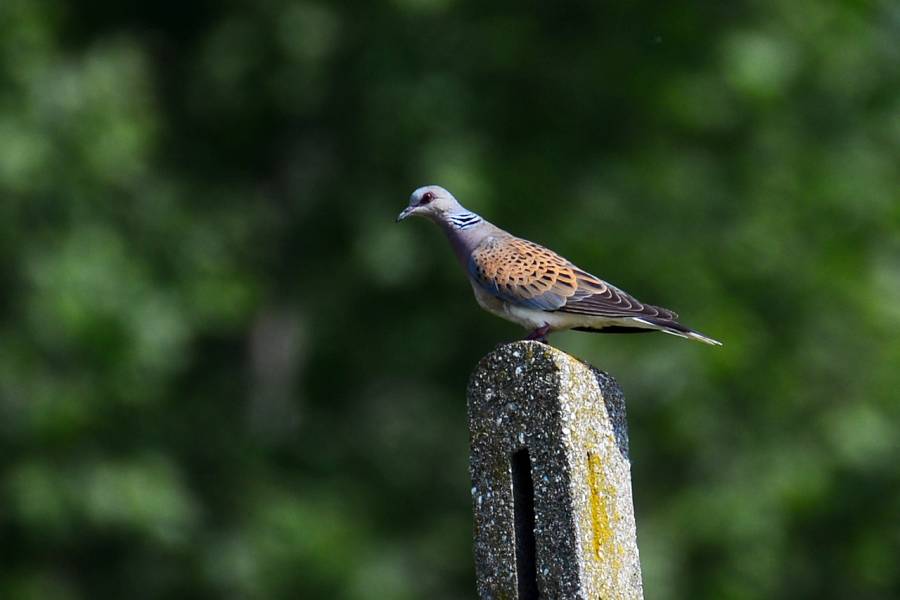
x: 463, y: 220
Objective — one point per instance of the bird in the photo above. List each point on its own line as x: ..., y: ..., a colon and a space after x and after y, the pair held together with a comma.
x: 533, y: 286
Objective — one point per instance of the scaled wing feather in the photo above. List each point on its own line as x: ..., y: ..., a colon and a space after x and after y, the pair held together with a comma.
x: 526, y: 274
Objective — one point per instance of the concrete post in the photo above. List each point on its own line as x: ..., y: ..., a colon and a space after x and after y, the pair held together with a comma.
x: 551, y: 479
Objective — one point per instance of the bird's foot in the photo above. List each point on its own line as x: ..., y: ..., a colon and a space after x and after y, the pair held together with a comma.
x: 539, y: 334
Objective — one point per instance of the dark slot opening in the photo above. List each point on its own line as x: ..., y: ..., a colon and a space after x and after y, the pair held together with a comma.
x: 523, y: 511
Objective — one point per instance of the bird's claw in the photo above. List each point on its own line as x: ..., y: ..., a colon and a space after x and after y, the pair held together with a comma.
x: 539, y: 334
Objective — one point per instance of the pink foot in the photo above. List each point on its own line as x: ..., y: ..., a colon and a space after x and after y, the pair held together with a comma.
x: 539, y: 334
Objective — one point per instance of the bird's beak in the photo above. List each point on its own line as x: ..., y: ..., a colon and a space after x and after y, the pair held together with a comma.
x: 406, y: 212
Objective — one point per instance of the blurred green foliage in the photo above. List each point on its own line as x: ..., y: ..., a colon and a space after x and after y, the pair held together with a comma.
x: 226, y: 373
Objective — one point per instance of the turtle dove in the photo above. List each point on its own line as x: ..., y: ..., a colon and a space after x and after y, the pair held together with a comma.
x: 528, y: 284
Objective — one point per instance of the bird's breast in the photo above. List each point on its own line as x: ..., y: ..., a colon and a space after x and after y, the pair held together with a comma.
x: 526, y: 317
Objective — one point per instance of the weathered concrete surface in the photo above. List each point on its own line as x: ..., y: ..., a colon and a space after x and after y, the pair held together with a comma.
x: 571, y: 419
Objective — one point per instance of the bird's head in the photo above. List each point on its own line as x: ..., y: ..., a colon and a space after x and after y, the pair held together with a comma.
x: 432, y: 202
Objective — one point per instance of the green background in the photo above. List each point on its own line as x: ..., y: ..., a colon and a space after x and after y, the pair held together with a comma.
x: 225, y: 372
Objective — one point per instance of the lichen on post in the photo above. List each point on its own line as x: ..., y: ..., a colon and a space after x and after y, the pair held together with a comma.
x: 551, y: 479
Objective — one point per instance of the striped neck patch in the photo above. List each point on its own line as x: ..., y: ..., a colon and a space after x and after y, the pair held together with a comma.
x: 464, y: 220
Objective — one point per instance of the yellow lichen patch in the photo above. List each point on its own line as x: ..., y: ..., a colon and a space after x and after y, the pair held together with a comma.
x: 607, y: 550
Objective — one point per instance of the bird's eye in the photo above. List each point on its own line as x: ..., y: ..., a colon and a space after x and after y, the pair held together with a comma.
x: 426, y: 198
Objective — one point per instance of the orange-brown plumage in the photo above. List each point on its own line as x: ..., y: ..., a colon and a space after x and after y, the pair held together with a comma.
x: 527, y: 273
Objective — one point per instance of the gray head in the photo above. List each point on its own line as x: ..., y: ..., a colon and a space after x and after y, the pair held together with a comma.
x: 432, y: 202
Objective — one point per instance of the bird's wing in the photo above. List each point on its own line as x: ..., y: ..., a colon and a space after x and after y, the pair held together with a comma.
x: 523, y: 273
x: 527, y: 274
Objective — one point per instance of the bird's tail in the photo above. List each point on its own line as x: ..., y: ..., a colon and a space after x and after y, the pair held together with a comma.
x: 676, y: 328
